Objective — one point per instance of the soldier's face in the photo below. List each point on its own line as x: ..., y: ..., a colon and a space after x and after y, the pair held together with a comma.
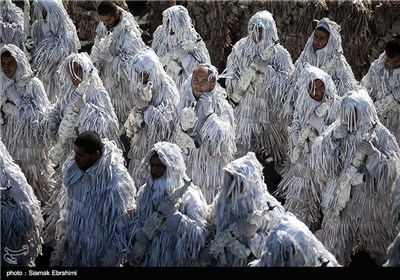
x: 200, y: 82
x: 110, y: 20
x: 394, y: 62
x: 157, y: 168
x: 320, y: 39
x: 316, y: 90
x: 9, y: 66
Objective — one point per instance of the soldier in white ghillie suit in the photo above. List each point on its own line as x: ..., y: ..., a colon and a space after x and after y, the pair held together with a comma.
x: 242, y: 214
x: 21, y: 217
x: 383, y: 84
x: 359, y: 160
x: 178, y: 44
x: 324, y: 50
x: 23, y: 103
x: 290, y: 243
x: 54, y: 37
x: 152, y: 119
x: 11, y: 24
x: 84, y: 104
x: 206, y: 129
x: 118, y: 40
x: 259, y: 68
x: 170, y: 228
x: 316, y: 108
x: 97, y: 205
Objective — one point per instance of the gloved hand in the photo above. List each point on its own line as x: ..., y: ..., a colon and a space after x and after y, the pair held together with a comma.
x: 29, y: 44
x: 367, y: 148
x: 166, y: 207
x: 14, y: 95
x: 173, y: 221
x: 141, y: 237
x: 189, y: 117
x: 189, y: 45
x: 9, y: 109
x: 245, y: 228
x: 206, y: 104
x: 107, y: 56
x: 77, y: 100
x: 83, y: 86
x: 315, y: 122
x: 340, y: 131
x: 46, y: 28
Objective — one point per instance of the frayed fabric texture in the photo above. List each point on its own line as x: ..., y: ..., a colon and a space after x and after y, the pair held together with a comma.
x: 21, y: 218
x: 97, y: 207
x: 179, y: 246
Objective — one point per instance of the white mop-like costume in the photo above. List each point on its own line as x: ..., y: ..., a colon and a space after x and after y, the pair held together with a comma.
x: 157, y: 122
x: 181, y: 51
x: 21, y: 217
x: 242, y: 213
x: 330, y: 59
x: 299, y: 186
x: 206, y: 134
x: 21, y: 123
x: 290, y: 243
x: 79, y: 108
x: 173, y: 240
x: 97, y: 207
x: 359, y: 160
x: 11, y: 24
x: 53, y: 40
x: 258, y: 71
x: 383, y: 85
x: 121, y: 43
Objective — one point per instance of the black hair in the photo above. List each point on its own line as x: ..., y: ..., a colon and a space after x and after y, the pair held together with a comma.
x: 106, y: 8
x: 393, y: 47
x: 320, y: 28
x: 6, y: 54
x: 90, y: 141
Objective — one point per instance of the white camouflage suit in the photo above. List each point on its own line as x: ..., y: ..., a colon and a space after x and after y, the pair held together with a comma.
x: 213, y: 130
x: 178, y: 44
x: 258, y: 70
x: 177, y: 238
x: 21, y: 217
x: 330, y: 59
x: 359, y: 160
x: 54, y: 38
x: 242, y: 213
x: 24, y: 105
x: 157, y: 97
x: 299, y: 187
x: 383, y: 85
x: 125, y: 43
